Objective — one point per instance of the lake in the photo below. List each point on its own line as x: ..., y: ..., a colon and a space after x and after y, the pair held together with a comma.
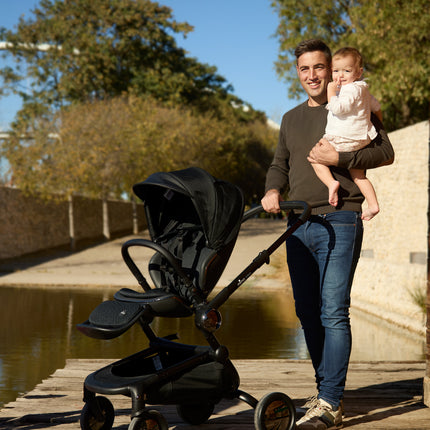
x: 39, y: 333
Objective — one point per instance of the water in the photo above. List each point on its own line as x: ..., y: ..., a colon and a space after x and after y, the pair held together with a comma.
x: 38, y: 333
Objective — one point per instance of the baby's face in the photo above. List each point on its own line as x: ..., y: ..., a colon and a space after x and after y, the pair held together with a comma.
x: 345, y: 70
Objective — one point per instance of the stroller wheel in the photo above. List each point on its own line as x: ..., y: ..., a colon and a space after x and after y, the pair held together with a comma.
x: 275, y: 411
x: 149, y: 420
x: 98, y: 414
x: 195, y: 413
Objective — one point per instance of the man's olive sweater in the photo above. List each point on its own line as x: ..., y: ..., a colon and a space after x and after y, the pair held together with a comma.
x: 301, y: 128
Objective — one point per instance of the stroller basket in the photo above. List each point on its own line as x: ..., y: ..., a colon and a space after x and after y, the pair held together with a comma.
x: 166, y: 374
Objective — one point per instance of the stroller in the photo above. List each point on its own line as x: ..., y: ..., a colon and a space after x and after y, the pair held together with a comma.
x: 193, y: 221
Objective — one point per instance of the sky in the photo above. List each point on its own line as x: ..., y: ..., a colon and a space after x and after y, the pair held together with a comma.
x: 236, y: 36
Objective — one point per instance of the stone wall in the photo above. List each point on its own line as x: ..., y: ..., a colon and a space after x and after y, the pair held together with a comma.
x: 87, y: 218
x: 29, y: 224
x: 393, y: 264
x: 120, y: 215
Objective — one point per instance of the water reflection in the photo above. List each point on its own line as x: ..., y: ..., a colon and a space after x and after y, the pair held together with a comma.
x: 374, y: 339
x: 39, y: 333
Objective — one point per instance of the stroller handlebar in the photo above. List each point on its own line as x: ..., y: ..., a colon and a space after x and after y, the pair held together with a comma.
x: 285, y: 206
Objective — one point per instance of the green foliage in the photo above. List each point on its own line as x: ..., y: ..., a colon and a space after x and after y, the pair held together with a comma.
x: 324, y: 19
x: 79, y: 51
x: 393, y: 36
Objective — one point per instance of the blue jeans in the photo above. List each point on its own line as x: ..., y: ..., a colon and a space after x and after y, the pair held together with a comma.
x: 322, y: 256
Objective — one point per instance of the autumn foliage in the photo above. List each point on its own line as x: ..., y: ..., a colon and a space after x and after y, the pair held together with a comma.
x: 102, y: 148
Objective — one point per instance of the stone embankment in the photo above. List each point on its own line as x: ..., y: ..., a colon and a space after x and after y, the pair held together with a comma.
x: 30, y: 224
x: 393, y: 265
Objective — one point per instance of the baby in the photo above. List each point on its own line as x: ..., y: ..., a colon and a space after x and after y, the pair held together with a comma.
x: 348, y: 123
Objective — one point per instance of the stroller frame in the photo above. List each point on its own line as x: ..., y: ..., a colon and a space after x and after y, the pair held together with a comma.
x: 193, y: 377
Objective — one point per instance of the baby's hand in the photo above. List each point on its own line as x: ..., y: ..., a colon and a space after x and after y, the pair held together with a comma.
x: 332, y: 86
x: 332, y: 89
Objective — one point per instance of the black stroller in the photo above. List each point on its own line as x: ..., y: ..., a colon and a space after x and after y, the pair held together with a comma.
x: 193, y: 220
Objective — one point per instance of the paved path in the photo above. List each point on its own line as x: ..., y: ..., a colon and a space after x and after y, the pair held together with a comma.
x: 102, y: 265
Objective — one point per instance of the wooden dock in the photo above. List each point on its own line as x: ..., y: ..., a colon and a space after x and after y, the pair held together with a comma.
x: 379, y: 395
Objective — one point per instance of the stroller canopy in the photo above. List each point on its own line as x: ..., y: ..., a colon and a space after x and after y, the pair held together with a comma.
x: 194, y: 196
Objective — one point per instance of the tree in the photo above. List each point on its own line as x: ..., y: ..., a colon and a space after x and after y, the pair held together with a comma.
x: 95, y: 50
x: 81, y: 150
x: 101, y: 148
x: 114, y: 99
x: 393, y: 36
x: 228, y: 148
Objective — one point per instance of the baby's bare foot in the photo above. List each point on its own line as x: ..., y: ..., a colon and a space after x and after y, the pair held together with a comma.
x: 333, y: 198
x: 369, y: 213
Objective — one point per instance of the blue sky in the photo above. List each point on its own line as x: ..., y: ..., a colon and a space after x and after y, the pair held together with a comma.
x: 236, y: 36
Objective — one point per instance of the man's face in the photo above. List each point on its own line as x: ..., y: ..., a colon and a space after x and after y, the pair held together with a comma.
x: 314, y: 74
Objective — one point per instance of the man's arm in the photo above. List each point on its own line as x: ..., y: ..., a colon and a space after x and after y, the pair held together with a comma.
x: 378, y: 153
x: 277, y: 175
x: 276, y: 182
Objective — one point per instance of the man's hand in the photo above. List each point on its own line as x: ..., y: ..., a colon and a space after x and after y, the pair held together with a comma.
x: 324, y: 153
x: 270, y: 201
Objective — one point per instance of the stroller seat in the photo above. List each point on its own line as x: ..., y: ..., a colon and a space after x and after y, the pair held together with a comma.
x: 200, y: 269
x: 157, y: 301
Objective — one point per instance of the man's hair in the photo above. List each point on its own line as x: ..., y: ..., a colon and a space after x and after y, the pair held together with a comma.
x: 312, y: 45
x: 348, y: 51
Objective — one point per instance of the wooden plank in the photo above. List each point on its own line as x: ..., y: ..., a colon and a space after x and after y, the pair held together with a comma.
x: 379, y: 395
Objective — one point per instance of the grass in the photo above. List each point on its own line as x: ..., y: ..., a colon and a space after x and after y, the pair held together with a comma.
x: 419, y: 297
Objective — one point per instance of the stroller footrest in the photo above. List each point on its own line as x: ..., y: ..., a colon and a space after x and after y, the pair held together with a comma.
x: 110, y: 319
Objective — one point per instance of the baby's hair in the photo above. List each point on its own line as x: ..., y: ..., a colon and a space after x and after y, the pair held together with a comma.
x: 348, y: 51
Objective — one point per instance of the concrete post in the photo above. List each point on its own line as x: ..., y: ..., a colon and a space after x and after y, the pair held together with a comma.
x: 106, y: 226
x: 426, y: 388
x: 71, y: 224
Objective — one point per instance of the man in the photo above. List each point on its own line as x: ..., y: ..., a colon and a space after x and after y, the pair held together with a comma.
x: 323, y: 253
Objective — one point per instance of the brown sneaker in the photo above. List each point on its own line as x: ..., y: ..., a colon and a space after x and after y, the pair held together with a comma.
x: 311, y: 402
x: 321, y: 416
